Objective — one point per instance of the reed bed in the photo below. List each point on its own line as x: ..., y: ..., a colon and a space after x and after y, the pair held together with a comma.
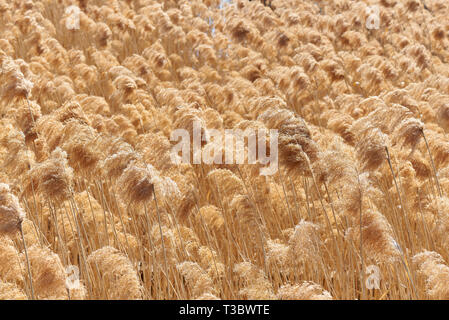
x: 92, y: 207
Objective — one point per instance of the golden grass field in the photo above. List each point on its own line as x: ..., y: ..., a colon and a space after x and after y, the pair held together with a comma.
x: 88, y: 188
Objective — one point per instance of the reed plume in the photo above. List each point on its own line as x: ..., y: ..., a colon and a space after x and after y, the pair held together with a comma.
x: 118, y: 273
x: 196, y: 278
x: 136, y: 184
x: 11, y: 213
x: 51, y: 178
x: 303, y: 291
x: 255, y: 284
x: 9, y: 291
x: 48, y: 274
x: 433, y: 267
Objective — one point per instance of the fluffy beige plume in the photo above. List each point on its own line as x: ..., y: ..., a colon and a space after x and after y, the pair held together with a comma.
x: 17, y: 86
x: 371, y: 149
x: 82, y: 147
x: 377, y: 237
x: 118, y: 155
x: 295, y: 142
x: 10, y: 291
x: 52, y: 178
x: 227, y: 183
x: 11, y: 269
x: 48, y: 274
x: 208, y: 296
x: 18, y: 159
x: 304, y: 291
x: 409, y: 132
x: 255, y: 284
x: 212, y: 218
x: 197, y: 279
x: 117, y: 273
x: 341, y: 123
x: 433, y: 267
x: 305, y: 243
x: 136, y: 185
x: 278, y: 253
x: 11, y: 213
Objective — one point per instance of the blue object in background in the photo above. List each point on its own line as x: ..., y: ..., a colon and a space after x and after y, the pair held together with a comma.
x: 223, y: 2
